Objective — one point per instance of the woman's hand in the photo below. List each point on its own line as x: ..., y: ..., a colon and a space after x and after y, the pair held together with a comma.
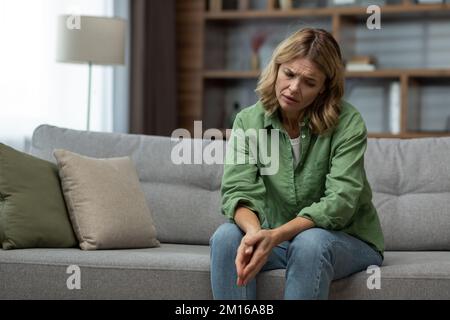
x: 252, y: 254
x: 243, y: 257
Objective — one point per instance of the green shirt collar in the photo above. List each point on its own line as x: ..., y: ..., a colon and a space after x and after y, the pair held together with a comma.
x: 274, y: 120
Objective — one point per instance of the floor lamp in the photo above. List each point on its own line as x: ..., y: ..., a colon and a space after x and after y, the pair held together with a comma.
x: 91, y: 40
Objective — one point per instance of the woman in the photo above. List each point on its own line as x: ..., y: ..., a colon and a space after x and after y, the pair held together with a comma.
x: 314, y: 217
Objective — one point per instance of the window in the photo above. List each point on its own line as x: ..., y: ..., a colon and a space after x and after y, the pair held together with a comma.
x: 34, y: 88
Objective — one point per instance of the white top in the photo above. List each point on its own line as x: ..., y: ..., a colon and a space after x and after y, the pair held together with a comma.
x: 295, y: 143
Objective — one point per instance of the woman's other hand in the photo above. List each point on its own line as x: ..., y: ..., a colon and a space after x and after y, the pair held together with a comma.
x: 252, y: 254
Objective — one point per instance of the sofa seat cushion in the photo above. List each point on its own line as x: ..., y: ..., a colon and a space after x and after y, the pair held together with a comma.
x: 404, y: 275
x: 167, y: 272
x: 182, y: 272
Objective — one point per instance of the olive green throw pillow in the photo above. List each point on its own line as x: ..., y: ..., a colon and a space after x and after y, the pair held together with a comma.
x: 33, y: 213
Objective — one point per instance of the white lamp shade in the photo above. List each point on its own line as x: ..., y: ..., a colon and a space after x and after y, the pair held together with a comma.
x: 98, y: 40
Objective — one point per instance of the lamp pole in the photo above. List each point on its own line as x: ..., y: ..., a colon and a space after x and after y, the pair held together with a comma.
x: 89, y: 98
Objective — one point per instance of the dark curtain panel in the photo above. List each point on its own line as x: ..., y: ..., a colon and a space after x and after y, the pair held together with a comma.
x: 153, y: 67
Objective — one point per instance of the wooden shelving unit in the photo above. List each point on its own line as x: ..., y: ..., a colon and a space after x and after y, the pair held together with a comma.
x: 227, y: 74
x: 402, y: 9
x: 200, y: 82
x: 408, y: 135
x: 388, y: 73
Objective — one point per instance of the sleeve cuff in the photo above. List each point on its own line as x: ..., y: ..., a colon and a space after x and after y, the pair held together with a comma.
x: 229, y: 209
x: 320, y: 221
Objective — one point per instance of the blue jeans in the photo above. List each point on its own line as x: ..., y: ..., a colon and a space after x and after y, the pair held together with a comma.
x: 312, y: 259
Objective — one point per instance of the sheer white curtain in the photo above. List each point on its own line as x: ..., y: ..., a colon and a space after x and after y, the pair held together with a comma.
x: 34, y: 88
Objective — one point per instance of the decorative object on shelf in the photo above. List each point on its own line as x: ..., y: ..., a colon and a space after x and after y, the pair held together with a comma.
x: 266, y: 52
x: 97, y: 40
x: 215, y: 5
x: 257, y: 41
x: 285, y: 4
x: 394, y: 107
x: 243, y: 5
x: 361, y: 63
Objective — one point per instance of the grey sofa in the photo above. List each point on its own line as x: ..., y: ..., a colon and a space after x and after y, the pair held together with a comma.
x: 411, y: 185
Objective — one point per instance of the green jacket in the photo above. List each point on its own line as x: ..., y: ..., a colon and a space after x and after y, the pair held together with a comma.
x: 329, y: 185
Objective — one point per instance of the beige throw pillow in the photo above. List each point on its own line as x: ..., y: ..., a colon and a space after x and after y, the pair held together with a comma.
x: 105, y: 201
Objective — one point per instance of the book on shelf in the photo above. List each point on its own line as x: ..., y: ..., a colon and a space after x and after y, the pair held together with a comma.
x: 230, y: 5
x: 215, y: 5
x: 342, y: 2
x: 429, y: 1
x: 244, y: 5
x: 361, y: 63
x: 360, y: 67
x: 310, y: 3
x: 366, y: 3
x: 362, y: 59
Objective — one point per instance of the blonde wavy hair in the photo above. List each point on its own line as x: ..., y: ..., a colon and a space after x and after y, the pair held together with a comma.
x: 318, y: 46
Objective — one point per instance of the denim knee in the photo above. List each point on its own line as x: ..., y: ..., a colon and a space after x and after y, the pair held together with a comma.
x: 226, y: 235
x: 314, y: 242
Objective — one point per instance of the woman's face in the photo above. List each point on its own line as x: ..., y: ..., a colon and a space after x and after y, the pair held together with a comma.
x: 298, y: 84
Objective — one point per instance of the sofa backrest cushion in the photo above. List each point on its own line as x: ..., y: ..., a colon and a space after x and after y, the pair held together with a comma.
x: 410, y: 180
x: 184, y: 199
